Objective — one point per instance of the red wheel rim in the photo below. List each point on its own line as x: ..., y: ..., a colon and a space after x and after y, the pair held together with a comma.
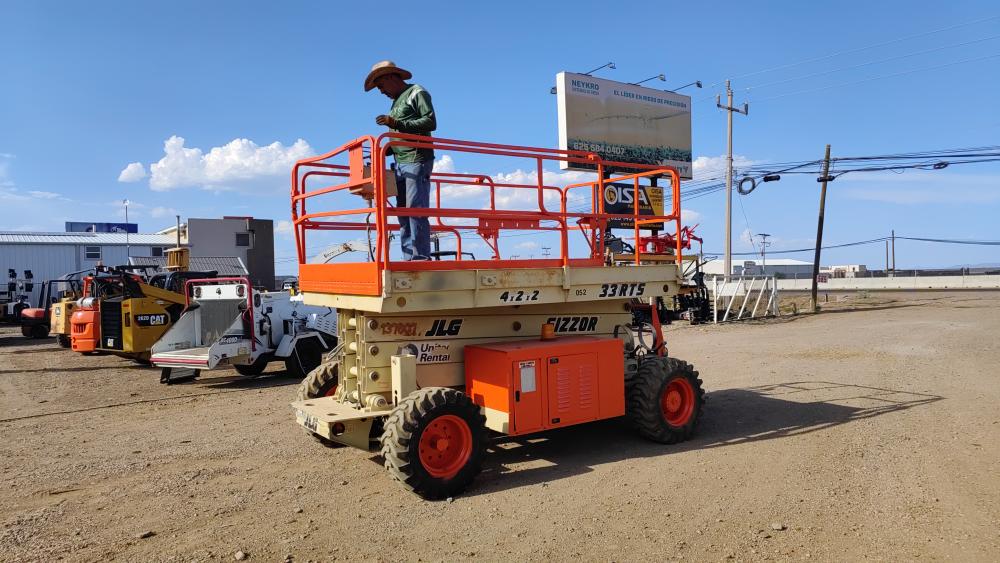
x: 445, y: 446
x: 677, y: 401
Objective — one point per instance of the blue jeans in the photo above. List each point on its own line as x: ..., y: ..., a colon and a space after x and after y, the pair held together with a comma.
x: 413, y: 184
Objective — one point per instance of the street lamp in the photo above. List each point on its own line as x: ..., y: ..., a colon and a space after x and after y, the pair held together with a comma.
x: 607, y: 65
x: 128, y: 248
x: 659, y: 76
x: 696, y: 83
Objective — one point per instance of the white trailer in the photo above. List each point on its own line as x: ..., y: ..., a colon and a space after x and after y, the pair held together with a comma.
x: 227, y: 323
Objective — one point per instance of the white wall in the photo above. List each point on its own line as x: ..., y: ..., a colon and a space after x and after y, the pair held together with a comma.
x: 875, y: 284
x: 47, y: 261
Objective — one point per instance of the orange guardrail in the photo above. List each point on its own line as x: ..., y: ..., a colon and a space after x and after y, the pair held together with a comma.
x: 548, y: 211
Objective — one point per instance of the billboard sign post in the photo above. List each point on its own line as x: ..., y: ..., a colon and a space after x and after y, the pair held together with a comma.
x: 623, y: 122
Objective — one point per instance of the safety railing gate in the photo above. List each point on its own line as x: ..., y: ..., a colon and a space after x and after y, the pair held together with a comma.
x: 365, y: 172
x: 743, y: 297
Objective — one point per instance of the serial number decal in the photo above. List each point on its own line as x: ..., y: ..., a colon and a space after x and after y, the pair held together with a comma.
x: 231, y: 339
x: 574, y: 324
x: 400, y: 329
x: 622, y: 289
x: 519, y: 296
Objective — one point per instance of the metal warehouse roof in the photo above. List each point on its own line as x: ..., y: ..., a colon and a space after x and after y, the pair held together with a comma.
x: 224, y: 265
x: 26, y: 237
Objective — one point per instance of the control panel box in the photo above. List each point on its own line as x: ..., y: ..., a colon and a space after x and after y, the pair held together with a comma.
x: 533, y: 385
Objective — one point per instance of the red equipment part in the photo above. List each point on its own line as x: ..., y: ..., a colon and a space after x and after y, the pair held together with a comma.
x: 667, y: 242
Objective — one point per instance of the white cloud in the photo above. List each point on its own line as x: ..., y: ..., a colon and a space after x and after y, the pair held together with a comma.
x: 132, y: 173
x: 444, y: 165
x: 44, y: 195
x: 283, y: 228
x: 160, y: 211
x: 527, y: 245
x: 238, y: 162
x: 689, y: 216
x: 712, y: 166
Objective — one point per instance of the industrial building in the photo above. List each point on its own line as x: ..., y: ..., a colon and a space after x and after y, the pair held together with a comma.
x: 49, y: 255
x: 251, y: 240
x: 780, y: 267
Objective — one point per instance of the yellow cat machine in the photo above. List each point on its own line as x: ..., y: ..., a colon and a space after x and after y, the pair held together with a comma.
x: 134, y: 314
x: 55, y: 308
x: 438, y: 357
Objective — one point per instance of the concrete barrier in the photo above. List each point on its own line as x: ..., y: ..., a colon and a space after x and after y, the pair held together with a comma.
x: 883, y: 284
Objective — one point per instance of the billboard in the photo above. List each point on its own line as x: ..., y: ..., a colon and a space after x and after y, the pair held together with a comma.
x: 623, y: 122
x: 81, y: 227
x: 620, y: 198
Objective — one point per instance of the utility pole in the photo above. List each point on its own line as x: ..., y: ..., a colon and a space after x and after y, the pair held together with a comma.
x: 128, y: 247
x: 887, y: 258
x: 819, y: 227
x: 894, y: 253
x: 763, y: 250
x: 729, y: 172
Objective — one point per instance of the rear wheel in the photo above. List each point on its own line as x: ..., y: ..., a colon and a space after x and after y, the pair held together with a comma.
x: 64, y: 340
x: 434, y: 442
x: 321, y: 382
x: 665, y: 400
x: 35, y: 331
x: 256, y: 368
x: 307, y: 356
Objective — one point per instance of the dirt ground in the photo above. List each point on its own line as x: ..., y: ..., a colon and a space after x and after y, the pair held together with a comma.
x: 871, y: 431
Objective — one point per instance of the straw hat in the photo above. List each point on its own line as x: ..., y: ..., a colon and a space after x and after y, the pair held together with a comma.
x: 382, y: 68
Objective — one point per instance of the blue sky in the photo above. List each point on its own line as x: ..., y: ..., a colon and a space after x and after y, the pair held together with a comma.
x: 89, y: 88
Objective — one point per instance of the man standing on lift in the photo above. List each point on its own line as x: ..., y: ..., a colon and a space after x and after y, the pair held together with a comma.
x: 411, y: 112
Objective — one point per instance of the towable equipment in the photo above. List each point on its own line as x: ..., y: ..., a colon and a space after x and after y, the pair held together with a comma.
x: 227, y: 323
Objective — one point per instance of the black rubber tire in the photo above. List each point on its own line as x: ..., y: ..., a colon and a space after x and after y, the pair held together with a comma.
x: 64, y: 340
x: 645, y: 390
x: 319, y: 382
x: 403, y: 430
x: 26, y: 331
x: 307, y: 356
x: 256, y: 368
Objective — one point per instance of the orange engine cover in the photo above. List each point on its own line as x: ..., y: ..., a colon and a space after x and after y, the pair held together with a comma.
x: 33, y: 313
x: 534, y: 385
x: 85, y: 330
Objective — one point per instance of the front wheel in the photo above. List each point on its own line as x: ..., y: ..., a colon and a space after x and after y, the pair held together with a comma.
x: 64, y: 341
x: 665, y: 400
x: 434, y: 442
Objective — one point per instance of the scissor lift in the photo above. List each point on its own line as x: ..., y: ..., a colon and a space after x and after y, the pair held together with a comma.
x: 436, y: 356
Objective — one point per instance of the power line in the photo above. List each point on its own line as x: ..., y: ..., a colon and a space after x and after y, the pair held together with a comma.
x: 860, y: 49
x: 869, y: 63
x: 921, y: 69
